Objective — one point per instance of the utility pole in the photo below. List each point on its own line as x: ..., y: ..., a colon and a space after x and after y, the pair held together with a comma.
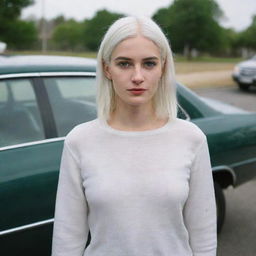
x: 44, y: 32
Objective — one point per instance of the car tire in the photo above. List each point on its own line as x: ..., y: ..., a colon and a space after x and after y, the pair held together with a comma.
x: 244, y: 87
x: 220, y: 206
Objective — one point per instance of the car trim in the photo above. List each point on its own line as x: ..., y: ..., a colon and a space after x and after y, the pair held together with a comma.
x: 27, y: 144
x: 39, y: 74
x: 20, y: 75
x: 248, y: 161
x: 226, y: 168
x: 67, y: 74
x: 185, y: 112
x: 25, y: 227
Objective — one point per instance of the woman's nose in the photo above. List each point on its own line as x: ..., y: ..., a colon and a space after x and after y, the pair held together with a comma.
x: 137, y: 76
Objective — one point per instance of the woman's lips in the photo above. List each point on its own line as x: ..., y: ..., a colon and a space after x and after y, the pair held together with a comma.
x: 137, y: 91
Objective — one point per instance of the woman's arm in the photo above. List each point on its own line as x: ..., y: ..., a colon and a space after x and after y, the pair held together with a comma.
x: 70, y: 224
x: 200, y: 208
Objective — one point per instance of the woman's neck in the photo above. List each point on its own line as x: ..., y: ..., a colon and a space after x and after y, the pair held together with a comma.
x: 135, y: 118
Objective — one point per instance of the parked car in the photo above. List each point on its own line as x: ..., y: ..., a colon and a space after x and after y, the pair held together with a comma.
x: 245, y: 73
x: 42, y: 98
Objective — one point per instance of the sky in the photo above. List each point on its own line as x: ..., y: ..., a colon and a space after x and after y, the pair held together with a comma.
x: 238, y: 13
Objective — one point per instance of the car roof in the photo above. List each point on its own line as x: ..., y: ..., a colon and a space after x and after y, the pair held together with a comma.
x: 44, y: 63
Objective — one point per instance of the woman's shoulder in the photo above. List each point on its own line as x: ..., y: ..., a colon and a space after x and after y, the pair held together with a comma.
x: 190, y: 130
x: 81, y: 131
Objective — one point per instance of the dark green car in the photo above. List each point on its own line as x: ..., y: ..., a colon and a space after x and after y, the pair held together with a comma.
x: 41, y: 99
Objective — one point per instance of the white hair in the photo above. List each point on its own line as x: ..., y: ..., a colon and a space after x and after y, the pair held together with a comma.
x: 165, y: 102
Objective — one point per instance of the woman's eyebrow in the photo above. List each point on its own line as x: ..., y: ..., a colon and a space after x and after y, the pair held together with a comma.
x: 151, y: 58
x: 122, y: 58
x: 126, y: 58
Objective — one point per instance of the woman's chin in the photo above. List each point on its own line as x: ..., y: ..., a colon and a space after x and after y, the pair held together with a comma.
x: 138, y: 102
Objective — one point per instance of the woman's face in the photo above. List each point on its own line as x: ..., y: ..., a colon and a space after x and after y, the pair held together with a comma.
x: 135, y: 70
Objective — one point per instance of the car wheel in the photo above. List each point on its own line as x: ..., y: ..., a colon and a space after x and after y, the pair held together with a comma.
x: 220, y: 206
x: 244, y: 87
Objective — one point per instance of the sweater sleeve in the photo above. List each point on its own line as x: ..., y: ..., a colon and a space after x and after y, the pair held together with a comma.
x: 70, y: 224
x: 200, y: 208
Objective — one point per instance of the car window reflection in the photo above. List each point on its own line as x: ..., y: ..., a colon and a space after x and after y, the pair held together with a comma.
x: 19, y: 114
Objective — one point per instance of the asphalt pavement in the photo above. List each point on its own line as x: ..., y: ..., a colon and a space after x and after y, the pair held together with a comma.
x: 238, y: 236
x: 231, y: 95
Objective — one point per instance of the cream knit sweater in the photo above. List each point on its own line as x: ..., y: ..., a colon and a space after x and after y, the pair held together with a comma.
x: 143, y: 193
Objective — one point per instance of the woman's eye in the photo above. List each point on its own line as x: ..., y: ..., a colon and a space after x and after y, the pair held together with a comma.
x: 124, y: 64
x: 150, y: 64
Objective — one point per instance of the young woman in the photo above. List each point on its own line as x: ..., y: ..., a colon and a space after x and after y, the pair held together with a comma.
x: 138, y: 178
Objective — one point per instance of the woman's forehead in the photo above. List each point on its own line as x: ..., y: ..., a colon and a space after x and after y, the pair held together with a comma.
x: 138, y: 46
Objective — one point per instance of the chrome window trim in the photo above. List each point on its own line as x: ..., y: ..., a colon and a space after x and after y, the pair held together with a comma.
x: 32, y: 143
x: 244, y: 162
x: 67, y: 74
x: 185, y: 112
x: 19, y: 75
x: 47, y: 74
x: 25, y: 227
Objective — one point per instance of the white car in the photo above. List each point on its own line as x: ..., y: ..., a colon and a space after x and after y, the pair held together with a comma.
x: 245, y: 73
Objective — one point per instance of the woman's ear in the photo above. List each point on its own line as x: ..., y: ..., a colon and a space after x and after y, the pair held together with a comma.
x: 106, y: 70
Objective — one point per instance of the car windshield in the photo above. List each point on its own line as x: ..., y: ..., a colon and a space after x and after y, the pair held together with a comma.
x: 223, y: 107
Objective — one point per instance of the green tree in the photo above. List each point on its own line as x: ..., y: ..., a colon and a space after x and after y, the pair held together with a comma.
x: 59, y: 20
x: 11, y: 9
x: 68, y: 35
x: 232, y: 41
x: 21, y: 35
x: 97, y: 26
x: 248, y: 36
x: 192, y: 25
x: 16, y: 33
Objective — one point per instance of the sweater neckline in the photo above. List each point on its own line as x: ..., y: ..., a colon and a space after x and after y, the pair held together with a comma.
x: 104, y: 125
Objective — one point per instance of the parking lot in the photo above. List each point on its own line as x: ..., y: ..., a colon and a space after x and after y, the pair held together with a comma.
x: 238, y: 235
x: 231, y: 95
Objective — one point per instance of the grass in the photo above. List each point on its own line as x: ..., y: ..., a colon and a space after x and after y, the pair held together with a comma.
x: 204, y: 63
x: 192, y: 67
x: 181, y: 58
x: 62, y: 53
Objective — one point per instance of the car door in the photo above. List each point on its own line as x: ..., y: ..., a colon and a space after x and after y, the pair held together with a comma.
x: 28, y: 170
x: 29, y: 176
x: 36, y: 113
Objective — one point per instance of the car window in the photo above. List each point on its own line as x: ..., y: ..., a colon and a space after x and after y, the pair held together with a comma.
x: 20, y: 119
x: 72, y: 100
x: 182, y: 114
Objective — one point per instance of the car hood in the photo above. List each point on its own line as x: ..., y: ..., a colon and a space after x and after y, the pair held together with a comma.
x: 248, y: 63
